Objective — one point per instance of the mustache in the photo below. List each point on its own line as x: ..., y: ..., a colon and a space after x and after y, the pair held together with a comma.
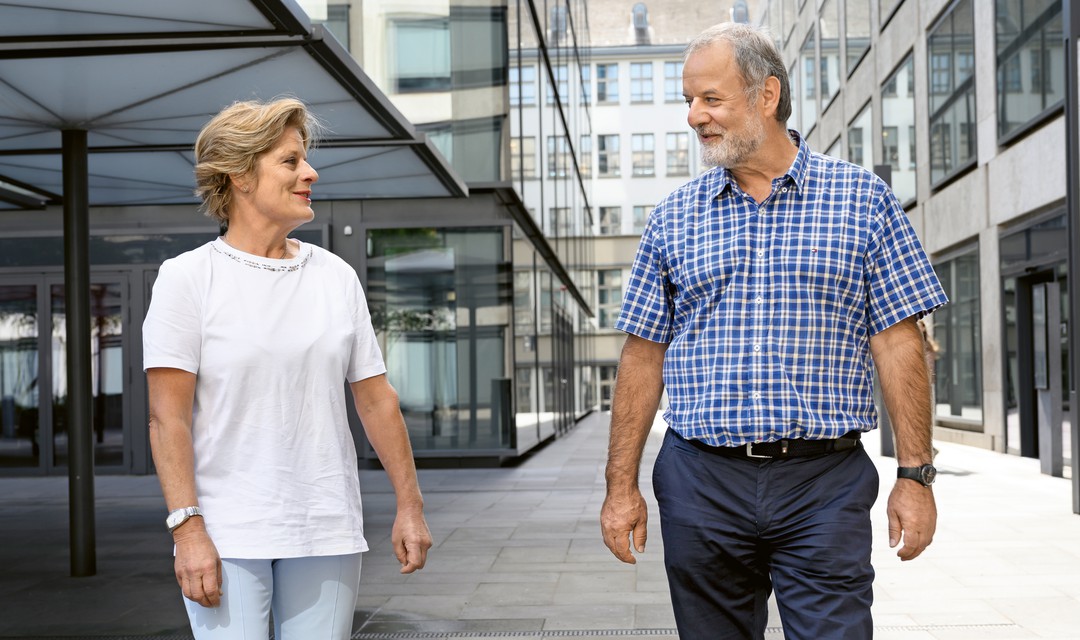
x: 702, y: 131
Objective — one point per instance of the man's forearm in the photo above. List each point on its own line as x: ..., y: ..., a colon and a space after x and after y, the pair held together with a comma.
x: 900, y: 358
x: 638, y: 388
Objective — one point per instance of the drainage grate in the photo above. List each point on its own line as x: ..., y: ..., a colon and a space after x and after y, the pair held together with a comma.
x: 579, y: 633
x: 610, y: 633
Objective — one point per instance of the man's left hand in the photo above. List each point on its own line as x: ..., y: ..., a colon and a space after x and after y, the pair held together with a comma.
x: 912, y: 517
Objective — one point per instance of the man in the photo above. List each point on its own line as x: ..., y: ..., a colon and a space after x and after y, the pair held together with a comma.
x: 759, y: 293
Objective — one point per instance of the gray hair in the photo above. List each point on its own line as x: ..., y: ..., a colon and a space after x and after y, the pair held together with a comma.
x: 757, y: 58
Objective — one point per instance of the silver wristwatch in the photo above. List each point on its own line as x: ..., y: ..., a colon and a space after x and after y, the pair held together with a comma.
x: 180, y: 516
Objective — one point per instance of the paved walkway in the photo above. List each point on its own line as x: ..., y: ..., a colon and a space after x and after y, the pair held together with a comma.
x: 518, y: 555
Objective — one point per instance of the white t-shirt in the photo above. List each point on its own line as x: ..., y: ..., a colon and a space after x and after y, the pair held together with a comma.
x: 272, y: 343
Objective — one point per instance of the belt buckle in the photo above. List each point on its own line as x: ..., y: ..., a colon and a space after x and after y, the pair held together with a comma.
x: 750, y: 452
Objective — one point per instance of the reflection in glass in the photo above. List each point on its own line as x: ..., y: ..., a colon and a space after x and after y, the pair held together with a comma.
x: 951, y: 53
x: 830, y: 52
x: 860, y: 139
x: 808, y: 90
x: 1030, y: 61
x: 20, y: 444
x: 107, y: 374
x: 439, y: 303
x: 898, y: 130
x: 958, y: 336
x: 857, y: 31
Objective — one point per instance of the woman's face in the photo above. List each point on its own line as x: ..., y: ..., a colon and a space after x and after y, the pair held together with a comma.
x: 283, y: 179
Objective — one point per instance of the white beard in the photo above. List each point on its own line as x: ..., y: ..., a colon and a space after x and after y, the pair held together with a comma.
x: 735, y: 147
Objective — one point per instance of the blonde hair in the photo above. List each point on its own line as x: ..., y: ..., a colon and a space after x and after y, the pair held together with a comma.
x: 231, y: 143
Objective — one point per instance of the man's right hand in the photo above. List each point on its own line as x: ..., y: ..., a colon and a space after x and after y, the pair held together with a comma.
x: 198, y: 566
x: 624, y: 517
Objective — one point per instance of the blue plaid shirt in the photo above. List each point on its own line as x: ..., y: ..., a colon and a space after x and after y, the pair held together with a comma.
x: 769, y: 308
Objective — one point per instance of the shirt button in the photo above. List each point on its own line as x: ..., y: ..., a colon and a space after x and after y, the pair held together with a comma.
x: 757, y: 347
x: 761, y: 252
x: 757, y: 396
x: 784, y: 190
x: 758, y: 299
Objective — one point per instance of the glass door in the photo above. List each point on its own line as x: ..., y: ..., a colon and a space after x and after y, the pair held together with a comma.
x: 108, y: 368
x: 20, y: 369
x: 33, y: 374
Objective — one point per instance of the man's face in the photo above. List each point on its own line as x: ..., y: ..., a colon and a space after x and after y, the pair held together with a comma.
x: 730, y: 129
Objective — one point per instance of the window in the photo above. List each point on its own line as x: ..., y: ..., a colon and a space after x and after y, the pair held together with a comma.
x: 673, y: 82
x: 586, y: 84
x: 524, y: 304
x: 641, y: 217
x: 643, y: 154
x: 607, y: 155
x: 809, y: 105
x: 830, y: 52
x: 558, y: 160
x: 564, y: 223
x: 1028, y: 32
x: 957, y: 334
x: 523, y: 158
x: 641, y: 83
x: 952, y: 93
x: 678, y: 154
x: 898, y: 115
x: 421, y: 60
x: 522, y: 86
x: 557, y: 25
x: 607, y: 84
x: 610, y: 221
x: 609, y: 292
x: 607, y: 386
x: 585, y: 156
x: 859, y: 139
x: 857, y: 32
x: 337, y: 22
x: 890, y: 147
x: 561, y: 85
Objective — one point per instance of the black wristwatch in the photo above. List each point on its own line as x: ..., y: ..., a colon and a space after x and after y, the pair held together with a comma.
x: 924, y: 475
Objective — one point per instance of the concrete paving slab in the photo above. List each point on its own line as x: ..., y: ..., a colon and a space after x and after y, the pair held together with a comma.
x: 518, y: 551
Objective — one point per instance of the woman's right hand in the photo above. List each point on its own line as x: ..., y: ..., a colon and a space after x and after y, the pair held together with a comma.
x: 198, y: 565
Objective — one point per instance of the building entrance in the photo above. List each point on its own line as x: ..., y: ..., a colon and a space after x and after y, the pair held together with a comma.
x: 33, y: 375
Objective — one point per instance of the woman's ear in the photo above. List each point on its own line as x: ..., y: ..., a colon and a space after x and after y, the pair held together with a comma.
x: 240, y: 182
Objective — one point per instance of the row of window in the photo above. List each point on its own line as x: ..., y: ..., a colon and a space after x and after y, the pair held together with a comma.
x: 608, y: 161
x: 1030, y: 68
x: 523, y: 82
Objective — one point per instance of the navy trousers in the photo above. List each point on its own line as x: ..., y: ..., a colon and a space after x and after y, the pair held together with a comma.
x: 736, y: 529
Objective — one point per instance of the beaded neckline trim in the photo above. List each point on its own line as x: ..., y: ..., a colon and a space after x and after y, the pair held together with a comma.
x: 262, y: 266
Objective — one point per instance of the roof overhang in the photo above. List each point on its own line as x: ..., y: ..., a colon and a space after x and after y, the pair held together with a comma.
x: 142, y: 77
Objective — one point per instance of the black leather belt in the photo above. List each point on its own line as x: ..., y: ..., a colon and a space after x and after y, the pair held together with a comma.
x: 782, y: 448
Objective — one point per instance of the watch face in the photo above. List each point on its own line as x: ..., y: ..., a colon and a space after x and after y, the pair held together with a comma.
x: 929, y: 474
x: 175, y: 518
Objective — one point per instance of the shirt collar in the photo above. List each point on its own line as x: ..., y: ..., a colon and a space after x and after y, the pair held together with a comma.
x: 795, y: 174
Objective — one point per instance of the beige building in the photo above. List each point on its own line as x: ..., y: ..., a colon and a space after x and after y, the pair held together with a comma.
x: 960, y: 105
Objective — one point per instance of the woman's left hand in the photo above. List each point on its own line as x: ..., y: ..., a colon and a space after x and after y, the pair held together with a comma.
x: 411, y: 538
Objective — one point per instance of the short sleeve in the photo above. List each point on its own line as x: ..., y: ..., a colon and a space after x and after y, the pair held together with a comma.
x: 172, y: 330
x: 647, y: 308
x: 366, y: 360
x: 901, y: 281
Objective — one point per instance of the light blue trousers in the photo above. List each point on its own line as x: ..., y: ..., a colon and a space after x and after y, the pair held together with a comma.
x: 310, y: 598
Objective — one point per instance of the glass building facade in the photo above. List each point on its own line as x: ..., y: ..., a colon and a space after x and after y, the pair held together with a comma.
x: 480, y: 304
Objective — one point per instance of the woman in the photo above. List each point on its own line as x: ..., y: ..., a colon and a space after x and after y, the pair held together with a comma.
x: 247, y: 344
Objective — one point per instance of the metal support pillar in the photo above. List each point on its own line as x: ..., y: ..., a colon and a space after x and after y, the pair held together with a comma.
x: 1071, y: 21
x: 77, y: 312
